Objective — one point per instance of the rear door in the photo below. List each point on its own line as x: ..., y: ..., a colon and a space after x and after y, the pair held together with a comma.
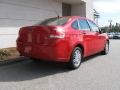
x: 99, y: 39
x: 87, y: 36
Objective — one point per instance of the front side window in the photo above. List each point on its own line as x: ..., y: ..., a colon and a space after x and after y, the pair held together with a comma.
x: 83, y: 25
x: 54, y: 21
x: 93, y: 26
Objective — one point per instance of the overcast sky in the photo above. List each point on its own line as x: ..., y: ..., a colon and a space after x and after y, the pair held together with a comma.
x: 109, y: 10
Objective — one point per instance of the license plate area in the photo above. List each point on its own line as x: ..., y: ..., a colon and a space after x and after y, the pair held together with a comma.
x: 29, y: 37
x: 28, y: 49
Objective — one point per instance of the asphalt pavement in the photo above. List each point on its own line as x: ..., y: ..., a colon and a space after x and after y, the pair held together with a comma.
x: 99, y: 72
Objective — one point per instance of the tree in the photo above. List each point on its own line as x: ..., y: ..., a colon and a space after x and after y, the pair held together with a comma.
x: 114, y: 28
x: 104, y: 29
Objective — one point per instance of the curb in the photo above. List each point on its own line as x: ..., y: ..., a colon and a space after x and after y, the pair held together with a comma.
x: 14, y: 60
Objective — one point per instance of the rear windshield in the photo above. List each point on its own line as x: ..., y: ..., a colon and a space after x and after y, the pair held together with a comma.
x: 54, y: 21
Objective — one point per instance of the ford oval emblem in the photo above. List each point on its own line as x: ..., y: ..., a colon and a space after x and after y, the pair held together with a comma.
x: 31, y: 30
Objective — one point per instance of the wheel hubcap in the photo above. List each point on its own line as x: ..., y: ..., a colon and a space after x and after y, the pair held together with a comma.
x: 77, y: 58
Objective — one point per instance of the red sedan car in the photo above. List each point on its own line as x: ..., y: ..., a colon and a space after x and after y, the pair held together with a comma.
x: 63, y: 39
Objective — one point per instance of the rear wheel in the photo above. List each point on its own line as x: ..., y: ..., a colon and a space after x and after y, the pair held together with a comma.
x: 76, y: 58
x: 106, y: 49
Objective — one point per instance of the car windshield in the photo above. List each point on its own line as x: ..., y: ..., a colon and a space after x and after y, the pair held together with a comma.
x: 54, y: 21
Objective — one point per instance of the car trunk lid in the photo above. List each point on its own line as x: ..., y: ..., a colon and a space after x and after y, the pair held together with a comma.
x: 39, y: 34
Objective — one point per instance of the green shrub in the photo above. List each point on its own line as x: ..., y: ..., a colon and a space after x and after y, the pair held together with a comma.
x: 4, y: 53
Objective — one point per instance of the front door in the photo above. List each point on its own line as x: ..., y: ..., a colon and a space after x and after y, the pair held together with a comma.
x: 88, y: 37
x: 99, y: 40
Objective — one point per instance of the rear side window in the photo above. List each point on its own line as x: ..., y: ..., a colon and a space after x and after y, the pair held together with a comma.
x: 84, y: 25
x: 75, y: 25
x: 93, y: 26
x: 54, y: 21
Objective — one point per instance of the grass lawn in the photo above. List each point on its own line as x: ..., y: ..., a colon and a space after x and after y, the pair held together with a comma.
x: 13, y: 53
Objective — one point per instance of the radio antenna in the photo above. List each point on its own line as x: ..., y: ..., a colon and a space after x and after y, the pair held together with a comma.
x: 56, y: 8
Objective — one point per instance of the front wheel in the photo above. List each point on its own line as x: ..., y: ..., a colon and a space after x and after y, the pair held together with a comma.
x: 76, y: 58
x: 106, y: 49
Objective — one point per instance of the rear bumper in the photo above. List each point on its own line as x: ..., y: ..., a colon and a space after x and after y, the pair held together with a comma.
x: 43, y: 52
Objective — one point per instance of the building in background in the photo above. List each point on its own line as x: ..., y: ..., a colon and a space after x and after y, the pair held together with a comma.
x: 17, y: 13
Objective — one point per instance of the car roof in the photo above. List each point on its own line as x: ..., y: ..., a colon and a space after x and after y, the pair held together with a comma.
x: 71, y: 17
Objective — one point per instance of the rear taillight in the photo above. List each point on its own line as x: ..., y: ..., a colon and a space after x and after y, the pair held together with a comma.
x: 57, y: 32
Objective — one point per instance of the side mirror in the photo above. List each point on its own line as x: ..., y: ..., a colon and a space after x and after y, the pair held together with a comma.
x: 100, y: 31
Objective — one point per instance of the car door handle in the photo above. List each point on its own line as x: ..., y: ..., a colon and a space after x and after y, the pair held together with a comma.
x: 88, y: 39
x: 84, y: 33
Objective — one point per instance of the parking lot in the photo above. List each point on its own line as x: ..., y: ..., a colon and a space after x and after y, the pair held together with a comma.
x: 99, y: 72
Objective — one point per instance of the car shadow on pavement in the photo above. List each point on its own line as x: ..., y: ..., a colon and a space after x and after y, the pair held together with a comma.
x: 91, y: 57
x: 28, y: 70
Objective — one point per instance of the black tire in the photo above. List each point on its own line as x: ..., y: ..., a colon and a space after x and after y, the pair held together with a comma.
x: 106, y: 49
x: 76, y: 58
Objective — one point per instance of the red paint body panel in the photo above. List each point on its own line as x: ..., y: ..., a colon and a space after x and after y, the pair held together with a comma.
x: 45, y: 43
